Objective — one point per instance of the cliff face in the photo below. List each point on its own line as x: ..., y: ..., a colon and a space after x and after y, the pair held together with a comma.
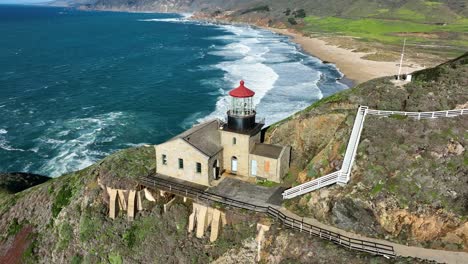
x: 282, y: 11
x: 409, y: 179
x: 65, y: 220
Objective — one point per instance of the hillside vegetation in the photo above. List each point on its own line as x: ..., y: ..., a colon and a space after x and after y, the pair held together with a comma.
x: 409, y: 180
x: 65, y: 220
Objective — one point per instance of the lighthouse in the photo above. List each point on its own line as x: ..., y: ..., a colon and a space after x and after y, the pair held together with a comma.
x: 234, y: 148
x: 241, y: 114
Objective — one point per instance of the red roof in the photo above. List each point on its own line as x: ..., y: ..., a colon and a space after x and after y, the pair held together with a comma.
x: 242, y: 91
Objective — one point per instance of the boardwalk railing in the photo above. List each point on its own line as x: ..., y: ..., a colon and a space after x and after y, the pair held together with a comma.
x: 344, y: 175
x: 353, y: 144
x: 309, y: 186
x: 420, y: 115
x: 287, y: 221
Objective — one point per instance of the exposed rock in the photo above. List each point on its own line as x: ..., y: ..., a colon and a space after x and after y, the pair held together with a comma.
x: 455, y: 148
x: 351, y: 214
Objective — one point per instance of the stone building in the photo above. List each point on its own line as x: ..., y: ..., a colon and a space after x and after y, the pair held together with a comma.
x: 206, y: 151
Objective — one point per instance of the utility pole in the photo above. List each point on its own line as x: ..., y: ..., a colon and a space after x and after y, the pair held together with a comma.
x: 401, y: 59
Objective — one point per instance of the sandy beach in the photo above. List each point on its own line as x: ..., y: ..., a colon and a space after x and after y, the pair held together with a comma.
x: 350, y: 63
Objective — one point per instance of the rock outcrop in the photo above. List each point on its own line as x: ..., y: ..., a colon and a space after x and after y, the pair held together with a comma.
x: 409, y: 181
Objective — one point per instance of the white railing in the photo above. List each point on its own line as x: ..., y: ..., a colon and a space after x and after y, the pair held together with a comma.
x: 344, y: 175
x: 420, y: 115
x: 353, y: 144
x: 309, y: 186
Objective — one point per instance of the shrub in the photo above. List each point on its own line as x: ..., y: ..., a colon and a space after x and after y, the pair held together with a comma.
x: 292, y: 21
x: 299, y: 13
x: 61, y: 200
x: 115, y: 258
x: 76, y: 259
x: 14, y: 227
x: 66, y: 234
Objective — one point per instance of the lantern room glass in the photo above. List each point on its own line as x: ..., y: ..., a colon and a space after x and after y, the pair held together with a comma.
x: 242, y: 106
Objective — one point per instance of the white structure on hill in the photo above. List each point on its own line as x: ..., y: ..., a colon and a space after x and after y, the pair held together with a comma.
x: 202, y: 153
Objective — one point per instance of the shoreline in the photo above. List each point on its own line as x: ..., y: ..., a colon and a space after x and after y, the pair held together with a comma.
x: 350, y: 63
x: 354, y: 68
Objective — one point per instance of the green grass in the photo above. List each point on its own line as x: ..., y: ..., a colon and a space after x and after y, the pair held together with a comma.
x: 61, y: 200
x: 385, y: 30
x: 398, y: 117
x: 14, y: 227
x: 267, y: 183
x: 115, y: 258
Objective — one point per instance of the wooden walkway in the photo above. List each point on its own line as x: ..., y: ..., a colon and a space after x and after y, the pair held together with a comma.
x: 344, y: 174
x: 309, y: 226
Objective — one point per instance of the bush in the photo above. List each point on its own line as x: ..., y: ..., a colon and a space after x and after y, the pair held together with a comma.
x: 66, y: 235
x: 61, y: 200
x: 115, y: 258
x: 299, y: 13
x: 77, y: 259
x: 292, y: 21
x: 14, y: 227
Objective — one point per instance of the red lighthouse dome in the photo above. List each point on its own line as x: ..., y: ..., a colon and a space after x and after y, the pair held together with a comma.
x: 241, y: 91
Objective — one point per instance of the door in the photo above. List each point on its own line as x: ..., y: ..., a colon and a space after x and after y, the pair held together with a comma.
x: 216, y: 170
x: 233, y: 164
x: 254, y: 168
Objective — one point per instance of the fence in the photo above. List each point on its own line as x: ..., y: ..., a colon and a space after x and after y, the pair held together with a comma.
x: 309, y: 186
x: 342, y: 175
x: 420, y: 115
x: 290, y: 222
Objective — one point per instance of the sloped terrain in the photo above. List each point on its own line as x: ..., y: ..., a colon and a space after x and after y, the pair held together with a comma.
x: 64, y: 220
x: 409, y: 180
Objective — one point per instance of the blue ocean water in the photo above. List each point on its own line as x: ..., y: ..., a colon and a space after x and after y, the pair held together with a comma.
x: 76, y: 86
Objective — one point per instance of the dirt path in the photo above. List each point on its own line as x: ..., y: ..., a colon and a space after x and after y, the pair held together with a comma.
x: 17, y: 248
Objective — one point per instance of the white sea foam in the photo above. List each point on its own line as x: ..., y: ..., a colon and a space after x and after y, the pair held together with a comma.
x: 73, y: 142
x: 274, y: 68
x: 3, y: 131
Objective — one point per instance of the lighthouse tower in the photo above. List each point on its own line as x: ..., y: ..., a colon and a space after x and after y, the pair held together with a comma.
x: 241, y: 115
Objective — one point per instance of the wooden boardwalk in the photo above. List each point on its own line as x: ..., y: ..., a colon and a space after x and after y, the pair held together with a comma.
x: 309, y: 226
x: 344, y: 174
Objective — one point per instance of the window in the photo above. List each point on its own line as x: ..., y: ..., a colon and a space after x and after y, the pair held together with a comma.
x: 198, y: 167
x: 234, y: 140
x: 164, y: 159
x: 181, y: 163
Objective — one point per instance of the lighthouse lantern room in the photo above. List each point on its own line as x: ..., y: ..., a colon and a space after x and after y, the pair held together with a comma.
x: 241, y: 115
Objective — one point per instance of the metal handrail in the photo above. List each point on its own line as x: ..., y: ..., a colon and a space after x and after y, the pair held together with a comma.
x: 420, y: 115
x: 290, y: 222
x: 344, y: 173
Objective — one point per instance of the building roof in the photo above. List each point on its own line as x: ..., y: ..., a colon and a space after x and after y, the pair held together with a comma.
x: 205, y: 137
x: 267, y: 150
x: 241, y: 91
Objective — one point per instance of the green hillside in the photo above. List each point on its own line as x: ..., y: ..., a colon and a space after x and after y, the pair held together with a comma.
x: 408, y: 174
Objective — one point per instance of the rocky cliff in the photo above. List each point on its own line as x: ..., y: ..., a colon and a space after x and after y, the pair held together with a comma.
x: 65, y: 220
x: 409, y: 182
x: 408, y: 185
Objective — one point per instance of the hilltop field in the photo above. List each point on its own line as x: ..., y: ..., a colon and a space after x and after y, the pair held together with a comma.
x: 354, y: 34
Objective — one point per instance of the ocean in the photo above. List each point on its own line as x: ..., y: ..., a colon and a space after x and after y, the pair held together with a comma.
x: 76, y: 86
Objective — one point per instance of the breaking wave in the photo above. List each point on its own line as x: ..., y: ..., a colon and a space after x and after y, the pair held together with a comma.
x: 284, y: 79
x: 74, y: 142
